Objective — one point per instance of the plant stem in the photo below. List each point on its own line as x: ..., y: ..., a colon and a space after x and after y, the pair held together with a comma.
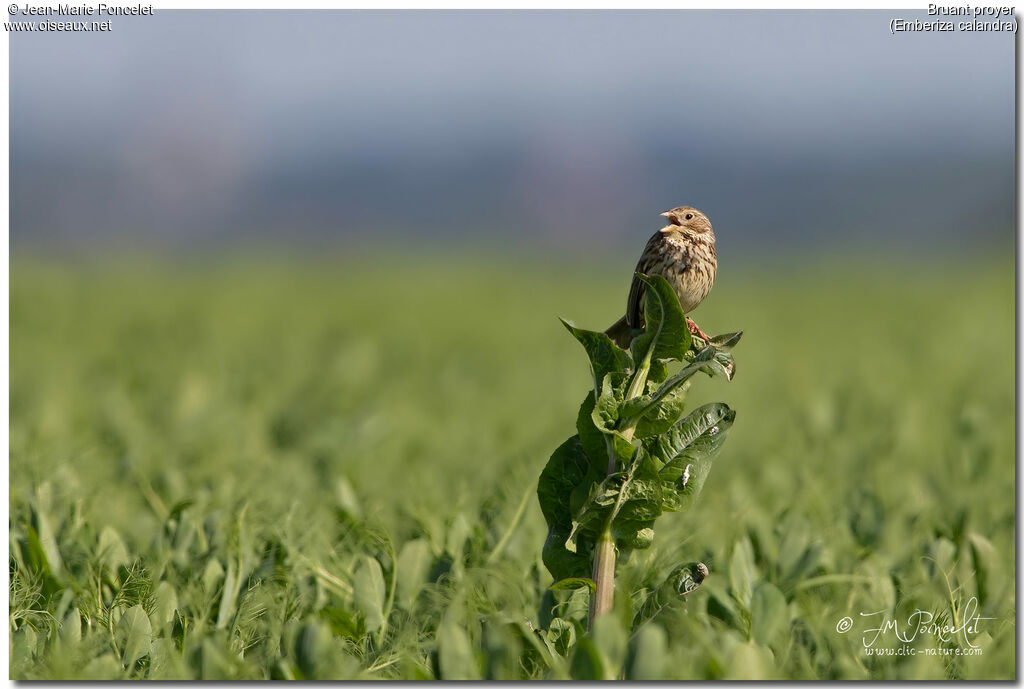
x: 604, y: 551
x: 604, y: 577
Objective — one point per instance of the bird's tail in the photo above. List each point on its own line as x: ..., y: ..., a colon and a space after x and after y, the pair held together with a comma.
x: 620, y: 332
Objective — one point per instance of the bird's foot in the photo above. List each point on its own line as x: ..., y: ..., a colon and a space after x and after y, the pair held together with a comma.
x: 695, y: 330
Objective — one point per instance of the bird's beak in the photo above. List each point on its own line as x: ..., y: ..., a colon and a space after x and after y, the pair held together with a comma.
x: 668, y: 228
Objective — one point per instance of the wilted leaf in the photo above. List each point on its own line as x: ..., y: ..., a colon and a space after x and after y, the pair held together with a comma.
x: 681, y: 581
x: 685, y: 579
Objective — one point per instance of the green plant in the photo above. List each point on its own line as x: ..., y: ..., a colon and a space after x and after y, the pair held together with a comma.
x: 146, y: 414
x: 634, y: 455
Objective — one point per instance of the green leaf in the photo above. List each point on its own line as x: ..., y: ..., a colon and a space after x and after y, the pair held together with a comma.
x: 594, y: 441
x: 724, y: 365
x: 609, y: 403
x: 134, y: 634
x: 559, y: 560
x: 634, y: 534
x: 347, y: 498
x: 42, y: 509
x: 721, y: 606
x: 648, y: 654
x: 605, y: 356
x: 414, y: 560
x: 343, y: 623
x: 726, y: 341
x: 369, y: 588
x: 687, y: 450
x: 631, y: 410
x: 749, y: 662
x: 166, y: 662
x: 665, y: 329
x: 566, y: 470
x: 986, y: 563
x: 229, y: 595
x: 611, y: 640
x: 312, y: 646
x: 213, y: 573
x: 587, y: 662
x: 454, y: 652
x: 723, y: 345
x: 590, y: 437
x: 165, y: 602
x: 742, y: 572
x: 572, y: 583
x: 111, y: 550
x: 768, y: 614
x: 71, y: 627
x: 561, y: 635
x: 104, y: 667
x: 663, y: 415
x: 628, y: 501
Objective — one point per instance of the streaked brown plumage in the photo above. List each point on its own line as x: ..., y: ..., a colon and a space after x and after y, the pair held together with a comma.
x: 683, y: 252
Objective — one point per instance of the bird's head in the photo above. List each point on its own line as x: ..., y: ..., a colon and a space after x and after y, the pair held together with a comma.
x: 687, y: 220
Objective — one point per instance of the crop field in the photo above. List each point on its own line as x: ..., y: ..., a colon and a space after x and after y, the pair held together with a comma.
x: 326, y: 469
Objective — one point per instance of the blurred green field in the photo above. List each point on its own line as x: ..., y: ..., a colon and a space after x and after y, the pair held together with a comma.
x: 271, y: 468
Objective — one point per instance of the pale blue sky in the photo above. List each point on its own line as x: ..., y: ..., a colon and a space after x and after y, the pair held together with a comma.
x: 194, y: 125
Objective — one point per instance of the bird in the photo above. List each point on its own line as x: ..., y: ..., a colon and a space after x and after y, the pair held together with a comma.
x: 683, y: 252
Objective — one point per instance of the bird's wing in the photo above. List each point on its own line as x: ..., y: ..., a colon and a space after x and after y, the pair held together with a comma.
x: 635, y: 305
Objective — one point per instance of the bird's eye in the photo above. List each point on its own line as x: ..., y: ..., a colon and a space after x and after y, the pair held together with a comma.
x: 689, y: 216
